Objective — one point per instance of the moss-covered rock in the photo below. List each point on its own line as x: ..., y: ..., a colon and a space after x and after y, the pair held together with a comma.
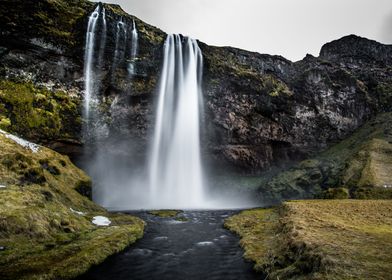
x: 361, y: 162
x: 55, y: 21
x: 335, y: 193
x: 46, y: 226
x: 165, y: 213
x: 38, y: 113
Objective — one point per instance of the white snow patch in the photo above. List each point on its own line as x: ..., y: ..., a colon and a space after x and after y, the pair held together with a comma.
x: 101, y: 221
x: 77, y: 212
x: 2, y: 186
x: 24, y: 143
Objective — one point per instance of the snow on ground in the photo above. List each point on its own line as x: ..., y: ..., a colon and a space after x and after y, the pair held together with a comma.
x: 24, y: 143
x: 101, y: 221
x: 77, y: 212
x: 2, y: 186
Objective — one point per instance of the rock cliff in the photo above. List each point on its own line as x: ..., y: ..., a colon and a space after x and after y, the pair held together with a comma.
x: 261, y: 111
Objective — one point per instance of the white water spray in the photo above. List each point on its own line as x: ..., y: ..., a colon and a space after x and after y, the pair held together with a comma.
x: 176, y: 177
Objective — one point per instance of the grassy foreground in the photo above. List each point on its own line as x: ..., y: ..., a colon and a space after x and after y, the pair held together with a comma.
x: 319, y: 239
x: 46, y: 229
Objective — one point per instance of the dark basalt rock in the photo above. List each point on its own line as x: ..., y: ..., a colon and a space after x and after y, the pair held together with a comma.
x: 260, y: 110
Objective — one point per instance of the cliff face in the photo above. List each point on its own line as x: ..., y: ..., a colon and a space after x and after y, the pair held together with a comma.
x: 260, y: 110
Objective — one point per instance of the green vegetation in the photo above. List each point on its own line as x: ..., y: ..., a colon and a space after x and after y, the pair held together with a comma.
x: 362, y: 164
x: 37, y: 113
x: 335, y: 193
x: 319, y: 239
x: 384, y: 94
x: 55, y: 21
x: 165, y: 213
x: 223, y: 61
x: 46, y: 226
x: 256, y: 228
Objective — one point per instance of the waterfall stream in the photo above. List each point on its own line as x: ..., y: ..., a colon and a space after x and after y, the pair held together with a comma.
x: 89, y: 78
x: 176, y: 177
x: 134, y: 49
x: 173, y: 176
x: 93, y: 66
x: 119, y: 50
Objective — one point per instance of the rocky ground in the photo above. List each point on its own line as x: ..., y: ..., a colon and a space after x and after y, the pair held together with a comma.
x: 49, y: 229
x: 319, y: 239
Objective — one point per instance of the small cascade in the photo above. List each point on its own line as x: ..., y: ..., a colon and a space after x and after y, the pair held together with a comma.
x: 175, y: 172
x: 119, y: 51
x: 103, y: 40
x: 89, y: 60
x: 134, y: 49
x: 93, y: 64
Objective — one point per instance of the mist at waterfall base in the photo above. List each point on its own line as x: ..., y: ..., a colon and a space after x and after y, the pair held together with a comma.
x: 170, y: 174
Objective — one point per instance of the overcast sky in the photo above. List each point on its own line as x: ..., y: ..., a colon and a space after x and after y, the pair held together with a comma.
x: 290, y: 28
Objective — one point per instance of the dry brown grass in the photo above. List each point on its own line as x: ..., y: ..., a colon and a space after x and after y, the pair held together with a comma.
x: 320, y: 239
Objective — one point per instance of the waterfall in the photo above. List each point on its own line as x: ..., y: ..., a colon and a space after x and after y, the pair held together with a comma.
x: 93, y: 64
x: 119, y: 50
x: 176, y: 177
x: 103, y: 40
x: 89, y: 60
x: 134, y: 49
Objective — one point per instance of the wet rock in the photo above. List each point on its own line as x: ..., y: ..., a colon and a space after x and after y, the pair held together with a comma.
x: 261, y: 111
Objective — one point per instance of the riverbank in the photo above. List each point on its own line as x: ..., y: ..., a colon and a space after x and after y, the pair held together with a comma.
x: 319, y: 239
x: 49, y: 228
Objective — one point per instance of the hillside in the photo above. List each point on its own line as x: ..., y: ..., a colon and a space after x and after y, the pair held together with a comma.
x: 319, y: 239
x: 48, y: 228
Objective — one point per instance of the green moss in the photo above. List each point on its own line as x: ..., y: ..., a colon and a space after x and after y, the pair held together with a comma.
x: 256, y: 228
x: 37, y: 113
x: 384, y: 93
x: 362, y: 160
x: 53, y: 21
x: 165, y: 213
x: 373, y: 193
x: 43, y: 236
x: 336, y: 193
x: 276, y: 87
x: 5, y: 123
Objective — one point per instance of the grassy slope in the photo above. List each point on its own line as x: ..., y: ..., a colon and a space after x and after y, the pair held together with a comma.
x: 42, y: 236
x: 361, y: 163
x: 319, y: 239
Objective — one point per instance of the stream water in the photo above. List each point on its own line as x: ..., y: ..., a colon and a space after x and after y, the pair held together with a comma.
x: 196, y: 246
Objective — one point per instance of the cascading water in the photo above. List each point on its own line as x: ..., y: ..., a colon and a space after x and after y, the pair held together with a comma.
x: 103, y: 40
x: 134, y: 49
x: 89, y: 60
x: 91, y: 65
x: 119, y: 49
x: 174, y: 171
x: 176, y: 177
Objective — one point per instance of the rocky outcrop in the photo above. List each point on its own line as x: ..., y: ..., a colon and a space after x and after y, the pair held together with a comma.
x: 260, y: 110
x: 361, y: 164
x: 264, y: 109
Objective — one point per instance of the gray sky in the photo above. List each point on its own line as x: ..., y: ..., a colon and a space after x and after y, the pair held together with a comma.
x: 290, y: 28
